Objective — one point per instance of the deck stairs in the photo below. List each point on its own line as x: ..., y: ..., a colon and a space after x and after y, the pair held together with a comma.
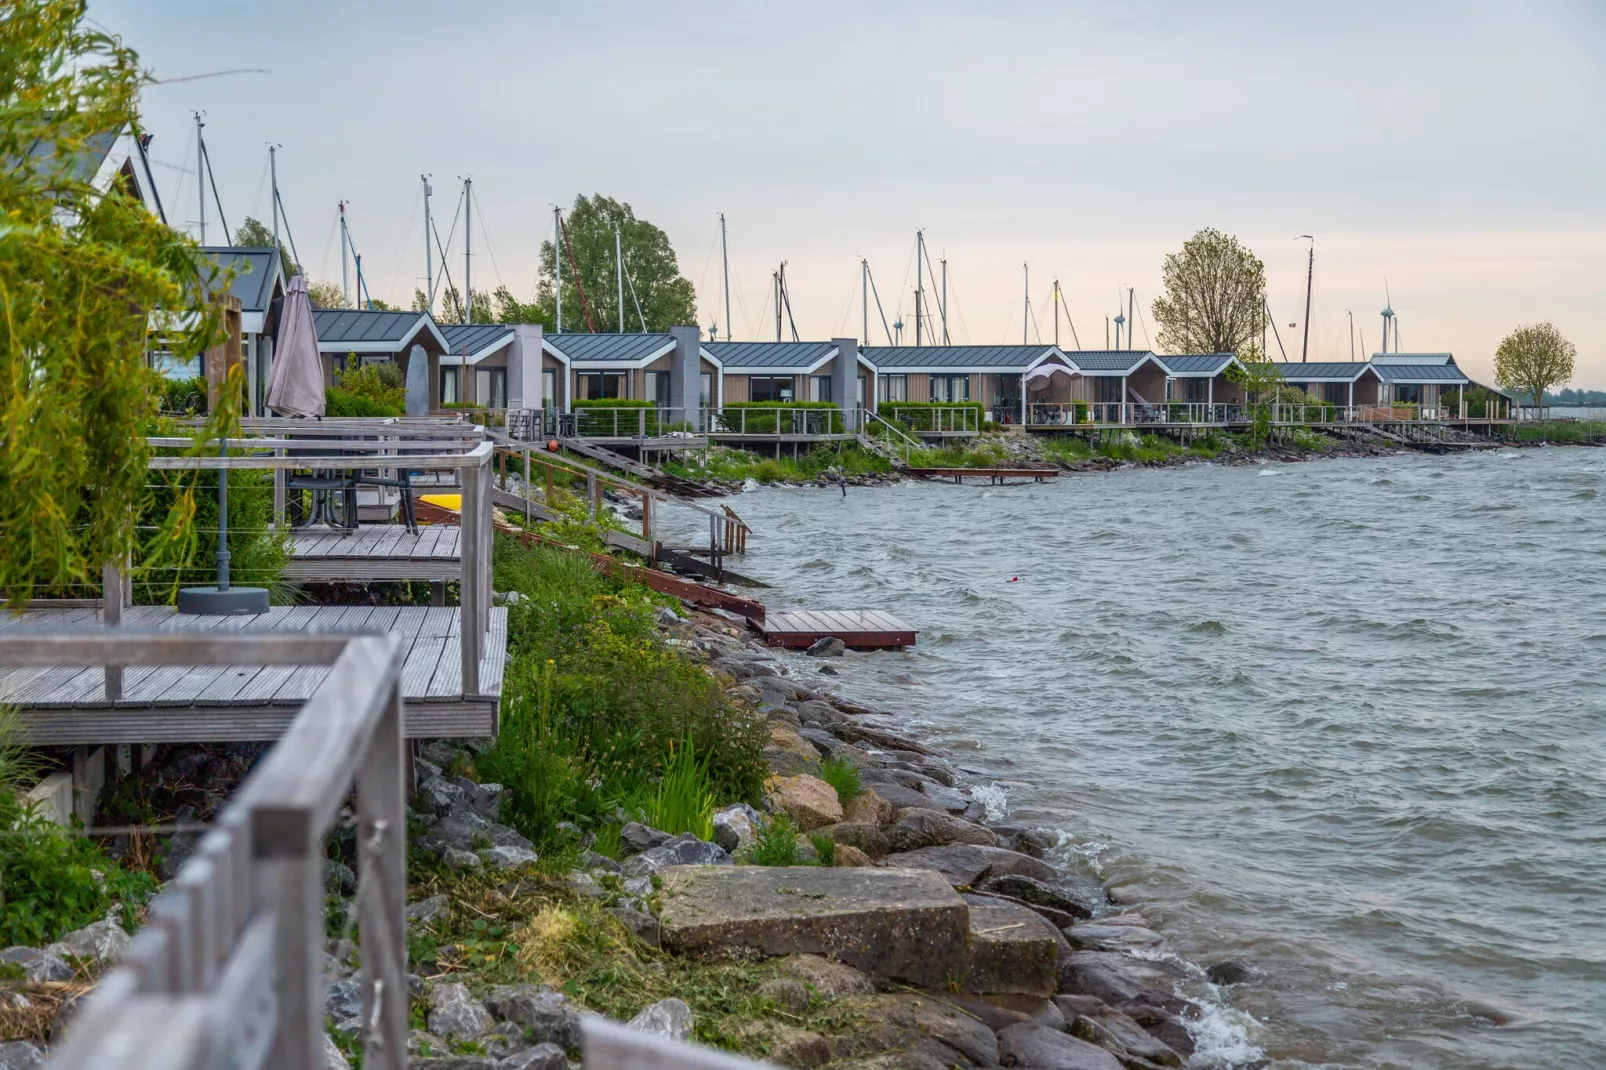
x: 894, y: 444
x: 687, y: 488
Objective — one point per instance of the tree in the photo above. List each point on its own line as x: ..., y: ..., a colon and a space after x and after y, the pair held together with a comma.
x: 451, y: 306
x: 1261, y: 379
x: 326, y: 295
x: 1533, y: 359
x: 86, y: 279
x: 253, y: 233
x: 667, y: 299
x: 1214, y: 296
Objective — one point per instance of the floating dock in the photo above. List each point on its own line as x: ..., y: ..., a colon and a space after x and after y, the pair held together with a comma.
x: 860, y: 629
x: 993, y: 475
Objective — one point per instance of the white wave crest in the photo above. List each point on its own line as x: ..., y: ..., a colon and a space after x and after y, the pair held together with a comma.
x: 993, y: 798
x: 1221, y: 1038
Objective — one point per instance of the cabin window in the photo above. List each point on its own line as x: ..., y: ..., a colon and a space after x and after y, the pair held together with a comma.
x: 819, y: 388
x: 1106, y: 390
x: 658, y: 388
x: 894, y: 388
x: 1335, y: 393
x: 451, y: 379
x: 1196, y: 391
x: 770, y: 388
x: 705, y: 389
x: 595, y: 386
x: 490, y: 387
x: 1008, y: 387
x: 950, y: 388
x: 549, y: 388
x: 1408, y: 393
x: 860, y: 391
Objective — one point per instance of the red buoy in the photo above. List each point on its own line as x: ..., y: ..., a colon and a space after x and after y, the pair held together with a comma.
x: 552, y: 446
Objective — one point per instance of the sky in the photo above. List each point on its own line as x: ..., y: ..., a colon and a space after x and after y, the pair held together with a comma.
x: 1449, y: 157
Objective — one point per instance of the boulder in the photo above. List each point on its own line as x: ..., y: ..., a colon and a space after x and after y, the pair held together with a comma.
x: 456, y: 859
x: 683, y: 850
x: 808, y: 800
x: 508, y: 857
x: 37, y: 965
x: 97, y: 944
x: 21, y: 1055
x: 1102, y: 936
x: 847, y: 856
x: 867, y: 808
x: 1230, y: 972
x: 969, y: 863
x: 540, y: 1057
x: 1027, y: 841
x: 946, y: 798
x: 787, y: 993
x: 1027, y: 1044
x: 901, y: 1019
x: 1166, y: 1024
x: 827, y: 977
x: 643, y: 925
x: 343, y: 1000
x: 901, y: 924
x: 427, y: 910
x: 1119, y: 980
x: 1038, y: 890
x: 870, y: 839
x: 917, y: 828
x: 830, y: 647
x: 822, y: 740
x: 636, y: 837
x: 437, y: 796
x: 898, y: 797
x: 667, y: 1018
x: 1120, y: 1034
x: 455, y: 1015
x: 454, y: 1062
x: 546, y: 1016
x: 736, y: 827
x: 330, y: 1057
x: 1011, y: 950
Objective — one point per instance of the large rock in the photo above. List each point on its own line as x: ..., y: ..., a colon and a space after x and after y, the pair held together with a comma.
x: 1119, y: 980
x: 425, y: 911
x: 968, y: 863
x: 901, y: 1019
x: 540, y: 1057
x: 736, y: 827
x: 867, y: 808
x: 1102, y: 936
x: 828, y: 978
x: 635, y: 837
x: 1039, y: 891
x: 97, y: 944
x: 899, y: 796
x: 546, y: 1016
x: 808, y: 800
x: 330, y: 1057
x: 683, y: 850
x: 917, y: 828
x: 37, y: 965
x: 1011, y: 950
x: 829, y: 647
x: 1110, y: 1029
x: 1038, y: 1047
x: 21, y: 1055
x: 667, y: 1018
x: 455, y: 1015
x: 906, y: 925
x: 868, y: 838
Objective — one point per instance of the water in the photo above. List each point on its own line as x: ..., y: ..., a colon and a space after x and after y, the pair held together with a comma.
x: 1342, y: 719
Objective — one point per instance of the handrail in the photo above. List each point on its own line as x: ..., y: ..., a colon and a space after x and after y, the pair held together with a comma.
x: 228, y: 968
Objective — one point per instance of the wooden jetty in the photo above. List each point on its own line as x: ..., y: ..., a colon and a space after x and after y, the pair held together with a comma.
x: 58, y: 707
x: 993, y: 475
x: 375, y: 553
x: 860, y: 629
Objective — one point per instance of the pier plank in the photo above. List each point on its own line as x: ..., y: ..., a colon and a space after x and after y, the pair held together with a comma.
x: 858, y: 629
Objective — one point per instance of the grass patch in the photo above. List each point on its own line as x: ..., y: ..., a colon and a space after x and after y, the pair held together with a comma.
x: 842, y: 775
x: 1127, y: 446
x: 682, y: 800
x: 1563, y: 431
x: 736, y: 466
x: 1066, y: 449
x: 776, y: 844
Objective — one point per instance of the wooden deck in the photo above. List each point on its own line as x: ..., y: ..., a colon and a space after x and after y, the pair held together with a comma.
x: 992, y: 475
x: 860, y: 629
x: 232, y: 704
x: 375, y: 553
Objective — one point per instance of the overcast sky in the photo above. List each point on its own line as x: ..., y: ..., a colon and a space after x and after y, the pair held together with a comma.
x: 1456, y: 149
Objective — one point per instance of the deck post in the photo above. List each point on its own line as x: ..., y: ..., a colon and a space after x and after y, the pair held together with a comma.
x: 111, y: 595
x: 382, y: 891
x: 278, y: 493
x: 469, y: 585
x: 288, y: 877
x: 487, y: 545
x: 526, y: 488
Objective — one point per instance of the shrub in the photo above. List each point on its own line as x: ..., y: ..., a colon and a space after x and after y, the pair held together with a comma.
x: 791, y: 417
x: 55, y: 882
x: 920, y: 416
x: 842, y: 775
x: 776, y: 844
x: 369, y: 390
x: 824, y: 849
x: 182, y: 396
x: 257, y: 554
x: 681, y: 800
x: 616, y: 416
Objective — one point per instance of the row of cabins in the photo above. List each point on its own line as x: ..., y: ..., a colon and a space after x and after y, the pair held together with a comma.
x: 519, y: 366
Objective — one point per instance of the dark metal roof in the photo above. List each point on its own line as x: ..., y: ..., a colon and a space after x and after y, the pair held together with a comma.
x: 1324, y: 371
x: 621, y: 348
x: 919, y: 358
x: 1195, y: 363
x: 1109, y: 360
x: 338, y: 326
x: 800, y: 355
x: 1419, y: 373
x: 255, y: 270
x: 1413, y: 358
x: 82, y: 166
x: 473, y: 337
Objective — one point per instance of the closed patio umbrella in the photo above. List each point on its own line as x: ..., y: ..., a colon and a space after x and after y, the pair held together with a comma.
x: 295, y: 385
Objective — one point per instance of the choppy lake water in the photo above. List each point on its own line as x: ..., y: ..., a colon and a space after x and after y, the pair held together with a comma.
x: 1343, y: 719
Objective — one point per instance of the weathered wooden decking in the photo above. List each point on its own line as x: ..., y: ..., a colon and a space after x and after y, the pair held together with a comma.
x: 223, y: 704
x: 860, y: 629
x: 375, y: 553
x: 992, y: 475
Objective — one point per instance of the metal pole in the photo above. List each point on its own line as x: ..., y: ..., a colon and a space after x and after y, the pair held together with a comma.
x: 1131, y: 327
x: 1351, y: 316
x: 1056, y: 313
x: 557, y: 258
x: 1026, y: 305
x: 273, y: 172
x: 945, y: 340
x: 920, y: 282
x: 200, y: 173
x: 777, y: 279
x: 468, y: 235
x: 725, y: 257
x: 345, y: 282
x: 223, y: 519
x: 619, y: 280
x: 1310, y: 275
x: 429, y: 253
x: 864, y: 296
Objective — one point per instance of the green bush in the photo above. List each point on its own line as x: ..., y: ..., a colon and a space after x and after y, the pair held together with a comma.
x: 776, y: 844
x: 681, y: 801
x: 604, y: 416
x: 824, y: 849
x: 842, y: 775
x: 792, y: 417
x: 55, y: 882
x: 597, y: 712
x: 369, y: 390
x: 257, y: 555
x: 920, y: 416
x: 182, y: 396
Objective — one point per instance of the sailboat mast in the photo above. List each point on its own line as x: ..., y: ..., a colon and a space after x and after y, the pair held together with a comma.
x: 1131, y: 323
x: 725, y: 259
x: 1310, y: 275
x: 468, y: 240
x: 345, y: 244
x: 1056, y: 313
x: 777, y: 277
x: 920, y: 283
x: 864, y: 297
x: 200, y: 173
x: 945, y: 339
x: 1026, y: 305
x: 273, y: 179
x: 557, y: 271
x: 429, y: 252
x: 619, y: 279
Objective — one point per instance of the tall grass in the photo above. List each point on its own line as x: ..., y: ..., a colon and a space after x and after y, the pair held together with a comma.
x: 681, y: 800
x: 842, y: 775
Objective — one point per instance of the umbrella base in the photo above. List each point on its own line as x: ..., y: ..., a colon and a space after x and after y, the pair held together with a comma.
x: 212, y: 602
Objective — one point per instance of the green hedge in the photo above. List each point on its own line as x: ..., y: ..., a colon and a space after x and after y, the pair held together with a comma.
x: 923, y: 415
x: 598, y: 417
x: 792, y: 417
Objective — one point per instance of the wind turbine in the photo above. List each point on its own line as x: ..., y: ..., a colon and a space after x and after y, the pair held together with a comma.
x: 1388, y: 314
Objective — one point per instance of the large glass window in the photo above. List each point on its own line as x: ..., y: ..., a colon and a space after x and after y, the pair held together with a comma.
x: 894, y: 388
x: 595, y: 386
x: 657, y: 384
x: 770, y: 388
x: 819, y: 388
x: 705, y: 389
x: 1408, y: 393
x: 950, y: 388
x: 1196, y: 391
x: 1106, y: 389
x: 549, y: 388
x: 490, y: 387
x: 451, y: 380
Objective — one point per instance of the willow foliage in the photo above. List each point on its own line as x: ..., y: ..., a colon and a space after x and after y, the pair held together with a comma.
x: 86, y: 277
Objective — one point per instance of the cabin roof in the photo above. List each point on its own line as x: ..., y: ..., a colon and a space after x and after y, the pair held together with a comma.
x: 361, y: 330
x: 1420, y: 373
x: 1196, y: 364
x: 746, y: 358
x: 1117, y: 361
x: 257, y: 273
x: 1325, y: 371
x: 478, y: 340
x: 1413, y: 358
x: 622, y: 349
x: 1003, y: 358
